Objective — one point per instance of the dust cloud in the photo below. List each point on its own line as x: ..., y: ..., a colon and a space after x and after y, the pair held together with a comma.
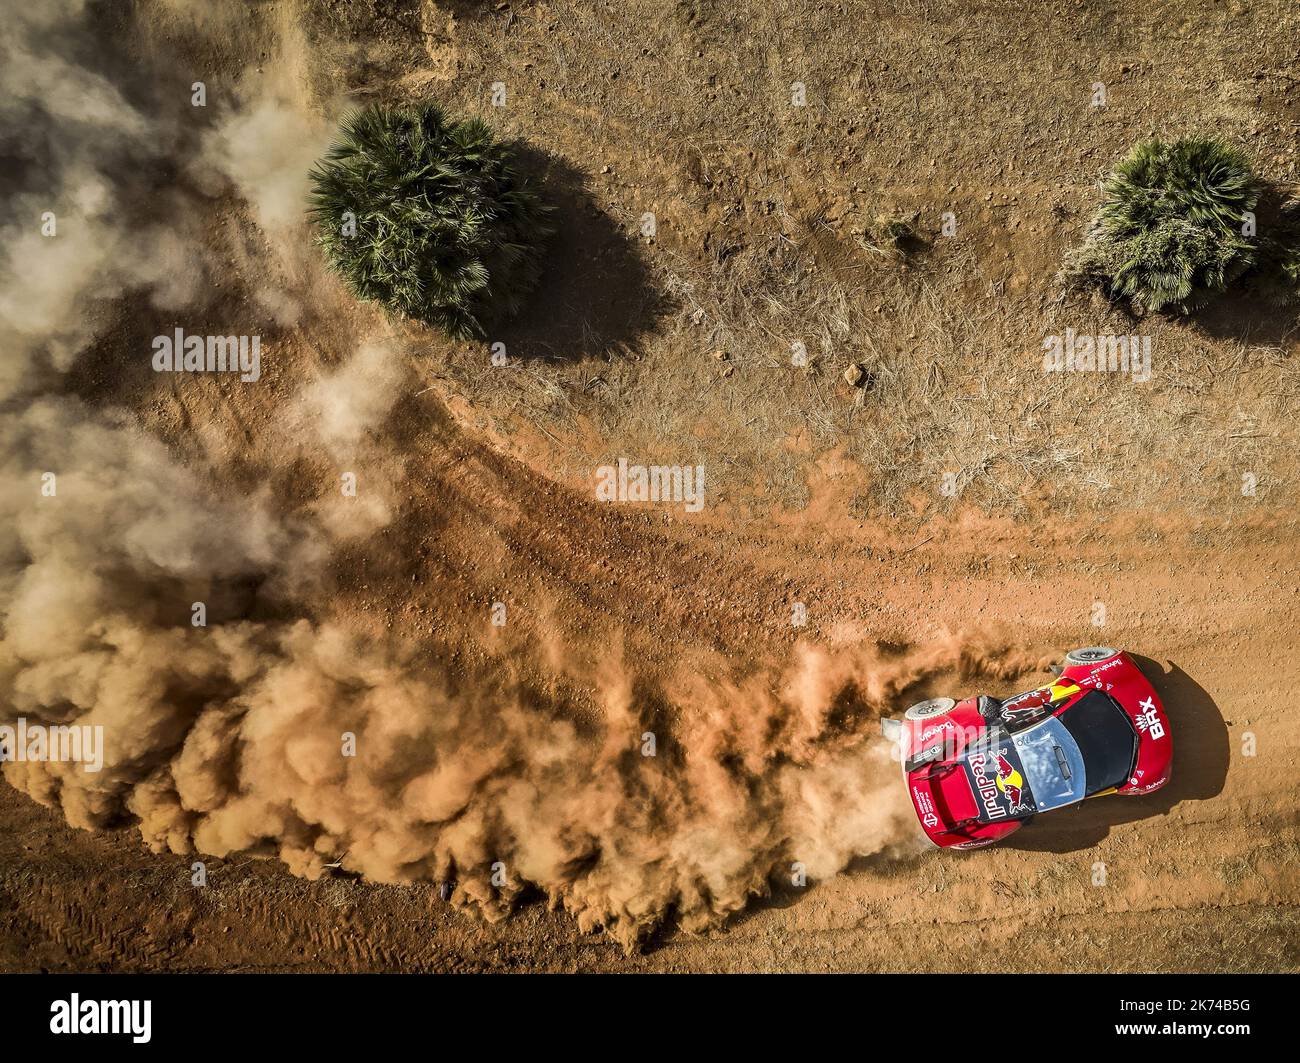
x: 275, y: 726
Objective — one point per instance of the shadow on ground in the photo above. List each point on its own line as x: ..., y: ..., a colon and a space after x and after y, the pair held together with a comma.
x: 596, y: 297
x: 1249, y: 318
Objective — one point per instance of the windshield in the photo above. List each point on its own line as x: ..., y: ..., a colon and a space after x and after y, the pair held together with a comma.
x: 1052, y: 764
x: 1105, y: 738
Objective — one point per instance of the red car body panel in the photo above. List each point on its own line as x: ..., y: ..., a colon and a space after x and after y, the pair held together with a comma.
x: 967, y: 800
x: 1120, y: 678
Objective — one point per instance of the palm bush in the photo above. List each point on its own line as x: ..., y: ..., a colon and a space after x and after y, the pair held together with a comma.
x: 428, y: 217
x: 1170, y: 231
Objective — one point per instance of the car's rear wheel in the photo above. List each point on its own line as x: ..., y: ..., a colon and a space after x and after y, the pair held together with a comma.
x: 923, y: 710
x: 1090, y: 655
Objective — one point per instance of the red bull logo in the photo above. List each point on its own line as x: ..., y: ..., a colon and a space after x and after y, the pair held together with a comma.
x: 986, y: 786
x: 1009, y: 781
x: 998, y: 784
x: 1033, y: 700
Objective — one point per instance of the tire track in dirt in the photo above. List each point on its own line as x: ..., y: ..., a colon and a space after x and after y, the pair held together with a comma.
x: 1220, y: 860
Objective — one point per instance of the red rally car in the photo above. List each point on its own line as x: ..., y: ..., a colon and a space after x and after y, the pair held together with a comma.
x: 981, y: 768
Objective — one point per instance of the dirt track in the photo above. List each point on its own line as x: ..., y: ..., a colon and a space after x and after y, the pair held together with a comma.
x: 1201, y: 876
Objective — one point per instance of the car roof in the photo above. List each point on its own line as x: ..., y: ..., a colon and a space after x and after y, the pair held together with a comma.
x: 1105, y: 736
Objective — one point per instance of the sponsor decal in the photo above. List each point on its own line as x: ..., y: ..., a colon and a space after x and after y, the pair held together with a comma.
x: 925, y: 807
x: 986, y: 788
x: 999, y: 784
x: 1148, y: 720
x: 933, y: 730
x: 1094, y: 678
x: 1010, y: 781
x: 1137, y: 778
x: 1032, y: 700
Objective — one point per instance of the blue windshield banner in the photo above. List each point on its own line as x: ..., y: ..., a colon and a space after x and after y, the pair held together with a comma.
x: 998, y: 781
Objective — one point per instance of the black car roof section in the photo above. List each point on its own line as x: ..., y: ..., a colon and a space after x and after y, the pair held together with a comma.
x: 1106, y: 739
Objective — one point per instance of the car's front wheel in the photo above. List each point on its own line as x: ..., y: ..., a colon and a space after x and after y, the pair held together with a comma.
x: 1090, y: 655
x: 924, y: 710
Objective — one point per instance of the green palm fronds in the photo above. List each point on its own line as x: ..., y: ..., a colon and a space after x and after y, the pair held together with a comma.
x: 428, y: 217
x: 1171, y: 229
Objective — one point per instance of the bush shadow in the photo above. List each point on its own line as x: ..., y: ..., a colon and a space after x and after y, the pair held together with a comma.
x: 1260, y: 310
x: 1248, y: 317
x: 595, y: 298
x: 1252, y: 315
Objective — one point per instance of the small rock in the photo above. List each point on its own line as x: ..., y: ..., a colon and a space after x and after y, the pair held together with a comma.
x: 855, y: 374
